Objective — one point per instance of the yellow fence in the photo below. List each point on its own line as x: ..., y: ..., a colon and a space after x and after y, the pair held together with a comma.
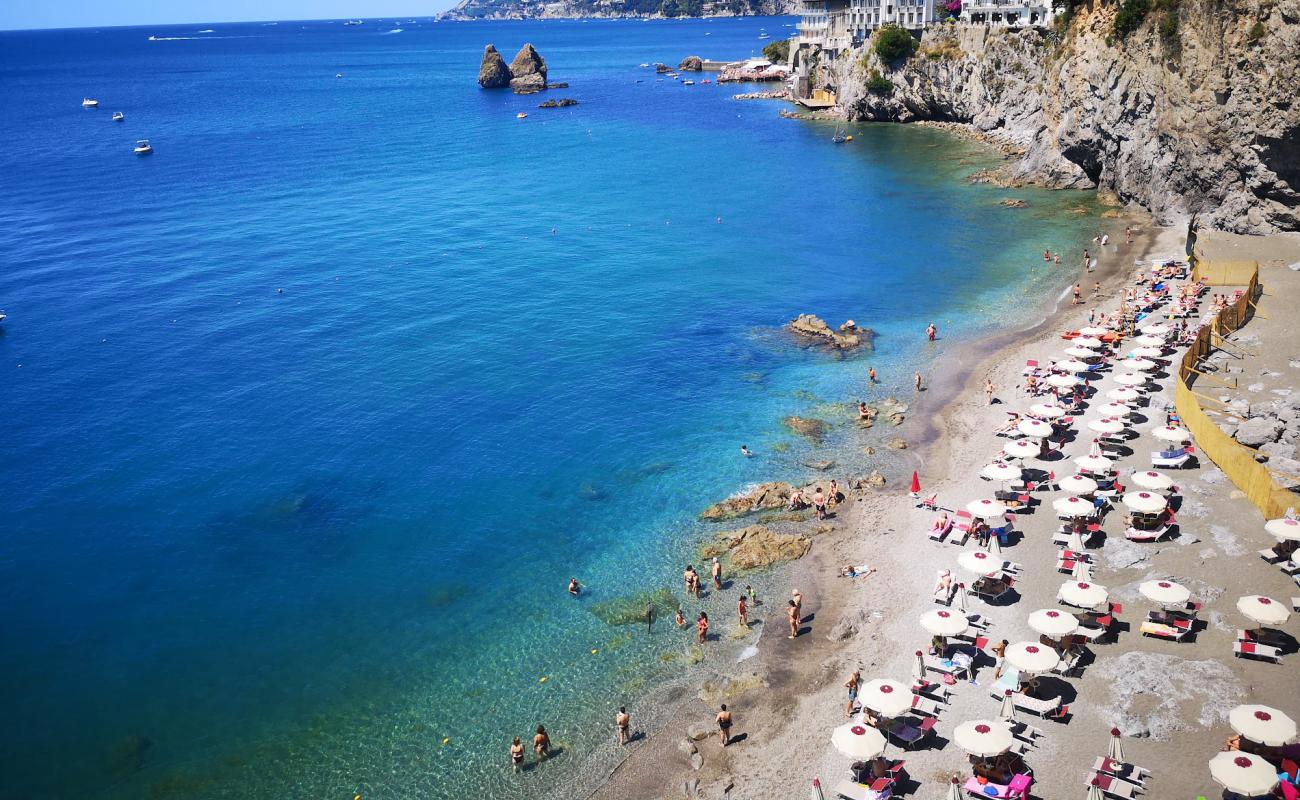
x: 1234, y: 458
x: 1225, y: 273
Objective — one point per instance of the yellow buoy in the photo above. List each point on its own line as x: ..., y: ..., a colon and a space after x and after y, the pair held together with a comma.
x: 446, y: 740
x: 594, y: 651
x: 543, y: 679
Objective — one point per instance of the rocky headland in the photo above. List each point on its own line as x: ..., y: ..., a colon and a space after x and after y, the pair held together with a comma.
x: 1190, y: 111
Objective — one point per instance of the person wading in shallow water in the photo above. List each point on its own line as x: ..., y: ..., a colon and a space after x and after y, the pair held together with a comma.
x: 702, y: 628
x: 649, y: 616
x: 517, y: 754
x: 542, y: 742
x: 717, y: 573
x: 742, y: 612
x: 575, y: 588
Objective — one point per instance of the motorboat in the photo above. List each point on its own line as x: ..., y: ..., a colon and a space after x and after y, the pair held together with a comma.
x: 840, y: 137
x: 644, y: 66
x: 688, y: 83
x: 143, y: 148
x: 118, y: 116
x: 338, y: 74
x: 521, y: 115
x: 89, y: 102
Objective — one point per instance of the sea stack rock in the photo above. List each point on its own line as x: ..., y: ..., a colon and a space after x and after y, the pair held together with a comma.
x: 528, y: 71
x: 691, y: 64
x: 493, y: 72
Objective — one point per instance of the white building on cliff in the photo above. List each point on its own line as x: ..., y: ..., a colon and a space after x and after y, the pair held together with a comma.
x: 836, y: 25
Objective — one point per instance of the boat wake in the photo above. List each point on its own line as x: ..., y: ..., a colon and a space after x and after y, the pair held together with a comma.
x: 394, y: 30
x: 172, y: 38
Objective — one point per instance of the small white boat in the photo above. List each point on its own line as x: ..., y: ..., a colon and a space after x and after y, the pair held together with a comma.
x: 338, y: 74
x: 643, y: 66
x: 764, y: 36
x: 688, y: 83
x: 143, y: 148
x: 118, y: 116
x: 87, y: 102
x: 521, y: 115
x: 2, y: 316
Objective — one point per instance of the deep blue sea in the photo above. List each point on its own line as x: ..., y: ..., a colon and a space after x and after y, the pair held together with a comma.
x: 310, y: 415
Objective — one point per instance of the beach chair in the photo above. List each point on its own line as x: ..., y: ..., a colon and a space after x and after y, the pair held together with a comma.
x: 1068, y: 664
x: 922, y: 706
x: 1254, y: 650
x: 1120, y: 769
x: 978, y: 621
x: 1295, y: 603
x: 1160, y: 630
x: 909, y: 736
x: 1047, y: 709
x: 930, y: 503
x: 1026, y: 731
x: 848, y: 790
x: 938, y: 535
x: 1162, y: 459
x: 1289, y: 567
x: 931, y: 689
x: 1111, y: 785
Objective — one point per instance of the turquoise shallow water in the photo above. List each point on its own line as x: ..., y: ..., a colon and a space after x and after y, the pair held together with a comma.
x: 264, y: 544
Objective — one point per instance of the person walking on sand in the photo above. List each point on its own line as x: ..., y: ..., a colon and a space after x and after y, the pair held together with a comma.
x: 622, y: 722
x: 999, y: 654
x: 542, y: 742
x: 871, y: 374
x: 918, y: 380
x: 931, y: 332
x: 517, y: 754
x: 1078, y: 295
x: 819, y: 503
x: 753, y: 596
x: 833, y: 496
x: 852, y: 684
x: 717, y: 574
x: 797, y: 597
x: 988, y: 389
x: 742, y: 612
x: 724, y: 725
x: 792, y: 612
x: 1096, y: 287
x: 702, y: 628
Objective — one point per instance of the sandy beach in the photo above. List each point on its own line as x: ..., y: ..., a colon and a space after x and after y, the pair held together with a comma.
x: 1168, y: 699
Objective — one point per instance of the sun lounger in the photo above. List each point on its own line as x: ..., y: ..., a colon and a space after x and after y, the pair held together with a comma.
x: 1069, y: 664
x: 922, y: 706
x: 1047, y: 709
x: 1120, y: 769
x: 1159, y: 630
x: 1295, y: 603
x: 1269, y: 556
x: 860, y: 791
x: 937, y: 535
x: 1139, y: 535
x: 1111, y: 785
x: 909, y: 735
x: 1024, y: 730
x: 1254, y: 650
x: 931, y: 689
x: 957, y: 666
x: 1289, y: 567
x: 1159, y: 459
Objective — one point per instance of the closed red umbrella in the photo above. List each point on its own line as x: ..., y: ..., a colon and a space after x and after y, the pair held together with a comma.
x: 916, y: 483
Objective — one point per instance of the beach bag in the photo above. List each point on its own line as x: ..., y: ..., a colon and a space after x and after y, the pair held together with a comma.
x: 948, y: 679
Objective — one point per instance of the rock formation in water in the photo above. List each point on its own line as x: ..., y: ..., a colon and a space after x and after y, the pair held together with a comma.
x: 765, y: 496
x: 691, y: 64
x: 561, y: 102
x: 755, y: 547
x: 493, y: 72
x: 1192, y: 110
x: 528, y: 71
x: 814, y: 327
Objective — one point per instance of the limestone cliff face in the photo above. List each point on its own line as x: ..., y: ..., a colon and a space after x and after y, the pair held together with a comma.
x: 1204, y: 122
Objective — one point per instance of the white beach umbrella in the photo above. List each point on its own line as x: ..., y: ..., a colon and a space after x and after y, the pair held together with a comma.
x: 1285, y: 529
x: 1053, y: 622
x: 885, y: 697
x: 1106, y: 425
x: 1165, y: 593
x: 1171, y: 433
x: 1047, y: 410
x: 1243, y: 773
x: 1007, y: 713
x: 979, y: 562
x: 1075, y: 352
x: 1072, y: 506
x: 858, y: 741
x: 1082, y: 571
x: 1115, y: 409
x: 1145, y: 502
x: 1032, y: 658
x: 1062, y: 381
x: 1150, y: 479
x: 1077, y: 484
x: 1021, y: 448
x: 918, y: 666
x: 942, y: 622
x: 1155, y: 329
x: 1140, y: 364
x: 1094, y: 791
x: 1095, y: 464
x: 1147, y: 340
x: 1264, y: 610
x: 1083, y: 594
x: 986, y: 508
x: 959, y: 599
x: 1131, y: 379
x: 1115, y: 750
x: 1263, y: 724
x: 1035, y: 428
x: 999, y: 471
x: 1088, y: 342
x: 1124, y: 394
x: 1094, y: 330
x: 1147, y: 351
x: 981, y: 737
x: 1073, y: 365
x: 1074, y: 541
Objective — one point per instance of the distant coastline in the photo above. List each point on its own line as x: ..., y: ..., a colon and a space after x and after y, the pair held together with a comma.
x: 496, y: 10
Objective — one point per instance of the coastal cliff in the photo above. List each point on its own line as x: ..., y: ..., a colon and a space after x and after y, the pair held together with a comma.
x: 1189, y: 111
x: 613, y: 9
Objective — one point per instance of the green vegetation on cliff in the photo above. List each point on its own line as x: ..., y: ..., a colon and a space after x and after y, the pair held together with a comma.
x: 894, y: 44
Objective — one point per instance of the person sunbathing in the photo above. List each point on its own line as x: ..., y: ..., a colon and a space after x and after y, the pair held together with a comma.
x: 944, y: 587
x: 856, y: 571
x: 1013, y: 419
x: 941, y: 525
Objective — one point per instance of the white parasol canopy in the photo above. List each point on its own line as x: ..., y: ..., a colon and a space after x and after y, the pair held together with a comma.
x: 1032, y: 658
x: 858, y: 741
x: 1090, y: 342
x: 1094, y: 330
x: 1264, y: 610
x: 885, y: 697
x: 1147, y: 352
x: 986, y: 508
x: 1140, y: 364
x: 982, y: 737
x: 1285, y: 529
x: 1047, y: 410
x: 999, y: 471
x: 1243, y: 773
x: 1263, y: 724
x: 1171, y: 433
x: 1062, y: 381
x: 1147, y: 340
x: 1165, y: 593
x: 979, y: 562
x: 1052, y: 622
x: 1073, y: 365
x: 1083, y: 594
x: 1155, y: 329
x: 1150, y: 479
x: 1124, y: 394
x: 1077, y: 484
x: 1145, y: 502
x: 1106, y: 425
x: 1115, y: 409
x: 1094, y: 464
x: 1072, y: 506
x: 1021, y: 448
x: 1035, y: 428
x: 1130, y: 379
x: 1077, y: 352
x: 942, y: 622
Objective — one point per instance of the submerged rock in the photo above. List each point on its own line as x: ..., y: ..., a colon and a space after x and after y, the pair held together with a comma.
x: 1013, y: 202
x: 847, y: 338
x: 760, y: 498
x: 562, y: 102
x: 493, y: 72
x: 528, y: 71
x: 897, y: 443
x: 814, y: 430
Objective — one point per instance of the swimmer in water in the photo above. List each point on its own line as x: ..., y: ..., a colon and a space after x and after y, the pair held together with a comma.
x: 575, y: 588
x: 744, y: 451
